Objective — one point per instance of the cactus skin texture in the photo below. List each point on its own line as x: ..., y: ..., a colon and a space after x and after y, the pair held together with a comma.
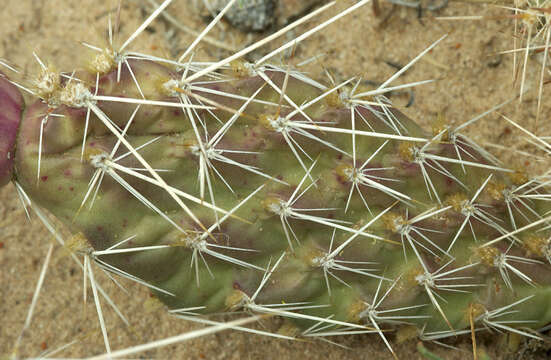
x: 358, y: 214
x: 11, y: 105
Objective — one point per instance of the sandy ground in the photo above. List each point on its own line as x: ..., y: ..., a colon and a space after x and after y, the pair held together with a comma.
x: 471, y: 76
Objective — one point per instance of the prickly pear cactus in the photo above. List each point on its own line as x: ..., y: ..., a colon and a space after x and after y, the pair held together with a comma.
x: 251, y: 187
